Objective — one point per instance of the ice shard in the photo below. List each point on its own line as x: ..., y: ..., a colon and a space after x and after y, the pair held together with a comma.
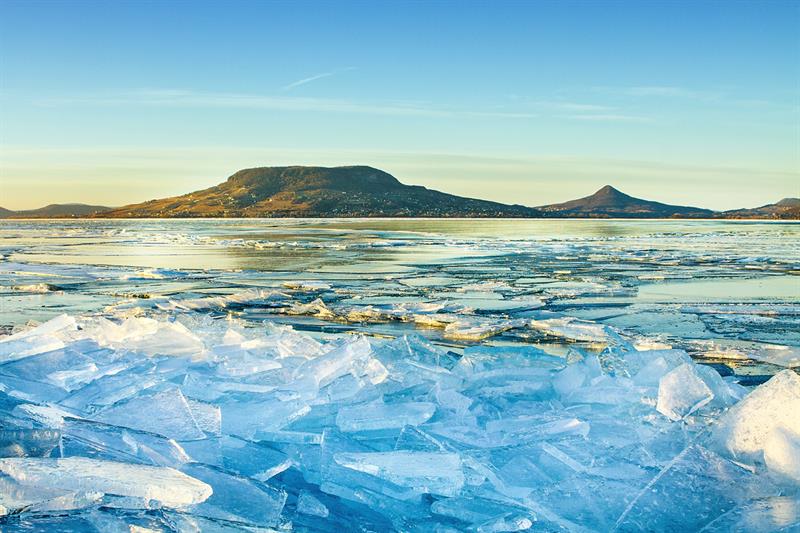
x: 380, y: 415
x: 428, y: 472
x: 681, y: 392
x: 30, y: 481
x: 167, y: 413
x: 743, y: 431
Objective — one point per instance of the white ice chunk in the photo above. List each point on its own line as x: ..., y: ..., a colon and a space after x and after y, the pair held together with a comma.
x: 41, y: 339
x: 51, y: 327
x: 576, y: 375
x: 744, y: 429
x: 336, y: 363
x: 428, y: 472
x: 649, y: 366
x: 167, y: 413
x: 511, y: 430
x: 572, y: 329
x: 289, y: 343
x: 725, y: 395
x: 782, y: 454
x: 477, y: 328
x: 681, y: 392
x: 379, y: 415
x: 241, y: 298
x: 36, y: 479
x: 316, y: 308
x: 49, y: 415
x: 307, y: 285
x: 147, y: 336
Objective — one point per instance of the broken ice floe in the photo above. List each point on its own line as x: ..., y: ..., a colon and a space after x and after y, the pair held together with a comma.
x: 208, y: 422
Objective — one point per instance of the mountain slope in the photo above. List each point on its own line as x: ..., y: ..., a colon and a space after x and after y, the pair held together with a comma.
x: 608, y: 202
x: 355, y: 191
x: 786, y: 209
x: 56, y: 211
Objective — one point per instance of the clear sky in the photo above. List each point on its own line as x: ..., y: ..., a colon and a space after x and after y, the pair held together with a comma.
x: 692, y: 102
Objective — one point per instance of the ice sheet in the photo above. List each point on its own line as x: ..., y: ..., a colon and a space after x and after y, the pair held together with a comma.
x: 320, y: 378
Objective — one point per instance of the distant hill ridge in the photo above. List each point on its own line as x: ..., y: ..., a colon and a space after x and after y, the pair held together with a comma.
x: 786, y: 209
x: 56, y: 211
x: 353, y: 191
x: 363, y: 191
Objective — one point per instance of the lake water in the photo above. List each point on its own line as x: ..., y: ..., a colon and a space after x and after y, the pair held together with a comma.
x: 399, y: 375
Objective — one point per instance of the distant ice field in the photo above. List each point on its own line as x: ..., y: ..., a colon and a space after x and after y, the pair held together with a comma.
x: 711, y: 287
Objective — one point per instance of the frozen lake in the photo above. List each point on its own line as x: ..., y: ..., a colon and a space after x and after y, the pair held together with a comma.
x: 411, y: 375
x: 708, y: 287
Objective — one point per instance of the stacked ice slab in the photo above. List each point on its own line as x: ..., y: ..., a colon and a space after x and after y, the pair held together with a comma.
x: 201, y: 425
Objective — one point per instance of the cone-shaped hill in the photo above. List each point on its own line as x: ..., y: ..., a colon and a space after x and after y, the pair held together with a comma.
x: 608, y: 202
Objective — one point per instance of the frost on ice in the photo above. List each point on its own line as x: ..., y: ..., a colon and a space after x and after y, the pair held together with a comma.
x: 207, y: 425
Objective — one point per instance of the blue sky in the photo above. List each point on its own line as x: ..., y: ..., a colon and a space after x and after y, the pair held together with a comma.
x: 526, y: 102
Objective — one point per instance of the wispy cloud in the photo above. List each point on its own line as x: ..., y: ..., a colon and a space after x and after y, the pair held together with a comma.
x: 315, y: 77
x: 657, y: 91
x: 303, y: 81
x: 557, y: 104
x: 187, y: 98
x: 719, y: 97
x: 664, y: 90
x: 578, y: 110
x: 608, y: 117
x: 572, y: 106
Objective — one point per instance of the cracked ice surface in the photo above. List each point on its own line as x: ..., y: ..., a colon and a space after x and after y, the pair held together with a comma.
x: 334, y: 375
x: 396, y: 434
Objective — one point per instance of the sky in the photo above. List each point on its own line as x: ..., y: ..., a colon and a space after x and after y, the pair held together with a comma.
x: 695, y: 102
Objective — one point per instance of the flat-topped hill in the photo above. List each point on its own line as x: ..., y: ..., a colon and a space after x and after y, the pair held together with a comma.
x: 352, y: 191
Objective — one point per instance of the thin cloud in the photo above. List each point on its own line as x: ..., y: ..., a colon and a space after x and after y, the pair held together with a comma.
x: 316, y: 77
x: 572, y: 106
x: 185, y: 98
x: 658, y: 90
x: 298, y: 83
x: 559, y: 105
x: 678, y: 93
x: 608, y: 117
x: 577, y: 110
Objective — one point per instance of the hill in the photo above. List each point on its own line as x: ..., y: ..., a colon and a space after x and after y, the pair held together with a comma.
x: 609, y: 202
x: 353, y: 191
x: 362, y: 191
x: 56, y: 211
x: 786, y: 209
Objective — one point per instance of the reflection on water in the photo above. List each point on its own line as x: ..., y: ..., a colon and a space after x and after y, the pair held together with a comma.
x: 277, y: 244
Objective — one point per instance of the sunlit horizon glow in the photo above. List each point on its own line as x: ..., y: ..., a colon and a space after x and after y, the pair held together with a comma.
x: 692, y: 103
